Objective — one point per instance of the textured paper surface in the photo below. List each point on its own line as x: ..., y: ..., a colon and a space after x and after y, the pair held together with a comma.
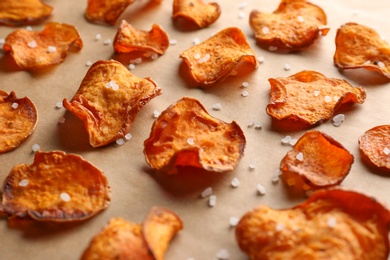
x: 135, y: 189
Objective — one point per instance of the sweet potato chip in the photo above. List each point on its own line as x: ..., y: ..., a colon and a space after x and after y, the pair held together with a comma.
x: 23, y: 12
x: 316, y: 161
x: 18, y: 119
x: 122, y: 239
x: 374, y: 145
x: 106, y: 11
x: 330, y: 224
x: 194, y: 14
x: 214, y: 59
x: 185, y: 135
x: 129, y: 39
x: 109, y: 99
x: 57, y: 187
x: 310, y: 97
x: 358, y: 46
x: 294, y: 26
x: 34, y: 50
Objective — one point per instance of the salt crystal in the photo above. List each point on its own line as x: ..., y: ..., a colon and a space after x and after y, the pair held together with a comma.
x: 273, y: 48
x: 275, y: 177
x: 65, y: 196
x: 381, y: 64
x: 293, y: 141
x: 32, y: 44
x: 61, y: 120
x: 51, y: 49
x: 137, y: 61
x: 300, y: 18
x: 244, y: 93
x: 128, y: 136
x: 205, y: 58
x: 287, y: 67
x: 190, y: 141
x: 207, y: 192
x: 131, y: 66
x: 23, y: 183
x: 261, y: 189
x: 332, y: 222
x: 235, y: 182
x: 212, y: 200
x: 261, y: 59
x: 223, y: 254
x: 156, y: 113
x: 195, y: 41
x: 197, y: 56
x: 217, y: 106
x: 98, y: 36
x: 154, y: 56
x: 14, y: 105
x: 328, y: 99
x: 35, y: 147
x: 386, y: 151
x: 299, y: 156
x: 120, y: 141
x: 88, y: 63
x: 233, y: 221
x: 286, y: 139
x: 251, y: 123
x: 107, y: 42
x: 252, y: 166
x: 265, y: 30
x: 338, y: 119
x: 241, y: 15
x: 59, y: 104
x: 172, y: 41
x: 279, y: 226
x: 29, y: 28
x: 367, y: 62
x: 336, y: 98
x: 316, y: 93
x: 258, y: 125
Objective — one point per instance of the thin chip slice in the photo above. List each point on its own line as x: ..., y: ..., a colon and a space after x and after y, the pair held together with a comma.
x: 195, y: 14
x: 185, y: 135
x: 129, y: 39
x: 105, y: 11
x: 358, y: 46
x: 37, y: 49
x: 109, y: 99
x: 294, y: 26
x: 374, y: 145
x: 56, y: 187
x: 310, y: 97
x: 18, y: 119
x: 215, y: 59
x: 316, y: 161
x: 330, y: 224
x: 23, y: 12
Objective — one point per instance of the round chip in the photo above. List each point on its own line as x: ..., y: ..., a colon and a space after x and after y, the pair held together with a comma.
x: 23, y: 12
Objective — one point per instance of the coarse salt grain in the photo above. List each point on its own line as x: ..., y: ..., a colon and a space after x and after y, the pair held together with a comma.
x: 261, y: 189
x: 204, y: 59
x: 61, y: 120
x: 32, y: 44
x: 265, y: 30
x: 328, y: 99
x: 235, y: 183
x: 51, y: 49
x: 300, y: 18
x: 23, y: 183
x: 88, y: 63
x: 386, y: 151
x: 35, y: 147
x: 299, y: 156
x: 286, y: 140
x: 233, y: 221
x: 275, y: 177
x: 336, y: 98
x: 252, y: 166
x: 223, y: 254
x: 137, y: 61
x: 212, y: 200
x: 196, y: 56
x: 338, y: 119
x: 261, y: 59
x: 241, y: 15
x: 332, y: 222
x: 258, y: 125
x: 245, y: 84
x: 287, y: 67
x: 107, y: 42
x: 172, y: 41
x: 207, y: 192
x: 217, y: 106
x: 15, y: 105
x: 381, y: 64
x: 251, y: 123
x: 245, y: 93
x: 317, y: 93
x: 279, y: 226
x: 128, y: 136
x: 154, y: 56
x: 131, y: 66
x: 29, y: 28
x: 273, y: 48
x: 59, y: 104
x: 195, y: 41
x: 120, y: 141
x: 98, y: 36
x: 65, y: 196
x: 293, y: 141
x: 156, y: 113
x: 190, y: 141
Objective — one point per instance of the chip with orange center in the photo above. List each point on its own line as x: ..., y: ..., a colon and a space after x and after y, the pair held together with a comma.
x: 23, y: 12
x: 57, y: 187
x: 330, y: 224
x: 216, y: 58
x: 310, y: 97
x: 194, y: 14
x: 129, y: 39
x: 294, y: 26
x: 359, y: 46
x: 374, y: 146
x: 18, y: 119
x: 316, y: 161
x: 122, y: 239
x: 185, y: 135
x: 105, y: 11
x: 33, y: 50
x: 108, y: 100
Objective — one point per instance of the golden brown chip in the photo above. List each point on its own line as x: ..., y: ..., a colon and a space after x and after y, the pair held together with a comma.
x: 18, y: 119
x: 23, y: 12
x: 215, y: 59
x: 194, y: 14
x: 316, y: 161
x: 330, y: 224
x: 129, y: 39
x: 310, y: 97
x: 34, y: 50
x: 358, y: 46
x: 185, y: 135
x: 122, y: 239
x: 374, y: 145
x: 106, y: 11
x: 294, y: 26
x: 57, y: 187
x: 109, y: 99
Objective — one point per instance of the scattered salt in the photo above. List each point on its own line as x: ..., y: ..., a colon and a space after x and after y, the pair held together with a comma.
x: 107, y: 42
x: 245, y: 84
x: 197, y: 56
x: 279, y: 226
x: 336, y: 98
x: 338, y: 119
x: 261, y: 59
x: 65, y: 196
x: 300, y: 18
x: 286, y: 139
x: 273, y: 48
x: 235, y: 182
x: 261, y: 189
x: 252, y: 166
x: 88, y: 63
x: 251, y: 123
x: 293, y: 141
x: 207, y: 192
x: 23, y: 183
x: 173, y: 42
x: 275, y: 177
x: 245, y: 93
x: 328, y: 99
x: 332, y: 222
x: 120, y: 141
x: 217, y: 106
x: 32, y: 44
x: 156, y: 113
x: 154, y: 56
x: 212, y: 200
x: 195, y: 41
x: 61, y: 120
x: 317, y: 93
x: 137, y: 61
x: 386, y: 151
x: 128, y: 136
x: 131, y: 66
x: 381, y: 64
x: 287, y: 67
x: 204, y: 59
x: 35, y: 147
x: 233, y: 221
x: 265, y: 30
x: 299, y: 156
x: 112, y: 84
x: 190, y: 141
x: 258, y: 125
x: 14, y: 105
x: 29, y: 28
x: 241, y: 15
x: 223, y: 254
x: 98, y: 36
x: 59, y: 104
x: 367, y: 62
x: 51, y: 49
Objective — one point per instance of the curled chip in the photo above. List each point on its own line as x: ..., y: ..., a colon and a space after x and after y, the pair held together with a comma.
x: 330, y: 224
x: 105, y: 11
x: 57, y: 187
x: 215, y: 59
x: 109, y: 99
x: 34, y: 50
x: 23, y: 12
x: 18, y: 119
x: 374, y: 146
x: 122, y: 239
x: 310, y: 97
x: 185, y: 135
x: 358, y: 46
x: 129, y: 39
x: 294, y: 26
x: 316, y: 161
x: 194, y: 14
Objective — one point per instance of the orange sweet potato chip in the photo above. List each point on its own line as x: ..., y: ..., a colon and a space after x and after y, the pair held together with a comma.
x: 358, y: 46
x: 194, y: 14
x: 294, y: 26
x: 57, y: 187
x: 34, y: 50
x: 330, y: 224
x: 23, y: 12
x: 122, y: 239
x: 129, y: 39
x: 214, y: 59
x: 185, y: 135
x: 109, y: 99
x: 316, y: 161
x: 310, y: 97
x: 374, y: 146
x: 18, y: 119
x: 106, y: 11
